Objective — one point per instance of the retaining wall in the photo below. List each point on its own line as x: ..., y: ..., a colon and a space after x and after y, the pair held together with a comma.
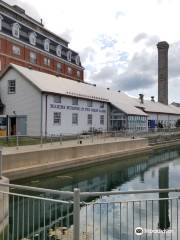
x: 25, y: 164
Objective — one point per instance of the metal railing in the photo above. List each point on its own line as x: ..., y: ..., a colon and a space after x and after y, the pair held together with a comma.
x: 52, y: 214
x: 91, y: 137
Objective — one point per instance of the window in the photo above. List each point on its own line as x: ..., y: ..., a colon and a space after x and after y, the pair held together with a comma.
x: 46, y: 61
x: 102, y: 119
x: 15, y: 30
x: 58, y: 67
x: 57, y: 118
x: 46, y: 45
x: 58, y: 50
x: 101, y: 105
x: 1, y: 18
x: 33, y: 57
x: 57, y: 99
x: 74, y: 101
x: 69, y: 70
x: 11, y: 86
x: 32, y: 38
x: 77, y: 60
x: 74, y: 118
x: 89, y: 103
x: 89, y: 120
x: 69, y: 55
x: 78, y: 74
x: 16, y: 50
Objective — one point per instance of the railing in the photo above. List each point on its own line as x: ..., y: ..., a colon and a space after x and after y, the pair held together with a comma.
x: 51, y: 214
x: 91, y: 137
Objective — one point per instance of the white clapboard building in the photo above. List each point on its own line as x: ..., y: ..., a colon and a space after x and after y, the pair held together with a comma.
x: 37, y: 102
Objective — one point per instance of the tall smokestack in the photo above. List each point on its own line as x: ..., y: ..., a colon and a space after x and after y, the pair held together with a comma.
x: 163, y: 72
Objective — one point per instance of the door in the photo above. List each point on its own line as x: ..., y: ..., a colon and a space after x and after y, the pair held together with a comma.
x: 21, y: 125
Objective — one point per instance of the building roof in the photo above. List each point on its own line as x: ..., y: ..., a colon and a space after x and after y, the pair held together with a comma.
x: 58, y: 85
x: 156, y: 107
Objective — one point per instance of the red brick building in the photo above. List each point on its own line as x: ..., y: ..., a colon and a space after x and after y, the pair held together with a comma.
x: 26, y: 42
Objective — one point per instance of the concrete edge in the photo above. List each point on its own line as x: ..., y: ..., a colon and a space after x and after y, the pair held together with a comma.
x: 41, y: 169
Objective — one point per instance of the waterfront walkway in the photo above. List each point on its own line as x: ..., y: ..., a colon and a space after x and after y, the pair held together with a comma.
x: 65, y: 144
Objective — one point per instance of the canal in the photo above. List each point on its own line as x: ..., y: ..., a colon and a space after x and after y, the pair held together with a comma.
x: 160, y: 169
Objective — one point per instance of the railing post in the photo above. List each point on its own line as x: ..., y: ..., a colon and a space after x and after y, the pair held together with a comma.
x: 17, y: 142
x: 60, y: 139
x: 41, y: 141
x: 1, y: 163
x: 76, y: 214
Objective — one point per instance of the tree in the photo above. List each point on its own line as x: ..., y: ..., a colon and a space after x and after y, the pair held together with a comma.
x: 178, y: 123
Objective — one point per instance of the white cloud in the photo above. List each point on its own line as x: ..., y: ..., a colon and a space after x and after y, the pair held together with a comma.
x: 117, y: 38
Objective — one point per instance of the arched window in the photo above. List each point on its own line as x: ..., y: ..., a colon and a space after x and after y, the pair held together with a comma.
x: 58, y: 50
x: 32, y: 38
x: 15, y: 30
x: 1, y: 18
x: 46, y: 45
x: 69, y: 55
x: 77, y: 60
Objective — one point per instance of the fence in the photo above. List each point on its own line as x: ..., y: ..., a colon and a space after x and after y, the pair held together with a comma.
x: 90, y: 137
x: 50, y: 214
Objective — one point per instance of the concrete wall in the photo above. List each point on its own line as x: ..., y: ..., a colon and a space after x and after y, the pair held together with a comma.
x: 4, y: 209
x: 25, y: 164
x: 26, y: 101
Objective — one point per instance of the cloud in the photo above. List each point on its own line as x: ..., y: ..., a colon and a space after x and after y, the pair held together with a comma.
x: 134, y: 81
x: 119, y: 14
x: 67, y: 34
x: 174, y: 56
x: 149, y: 40
x: 140, y: 73
x: 30, y: 10
x: 140, y: 36
x: 87, y: 54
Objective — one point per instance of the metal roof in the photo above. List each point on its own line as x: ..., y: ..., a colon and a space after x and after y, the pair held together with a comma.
x: 156, y: 107
x: 58, y: 85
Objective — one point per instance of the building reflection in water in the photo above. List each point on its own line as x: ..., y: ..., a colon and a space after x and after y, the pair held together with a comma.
x: 164, y: 222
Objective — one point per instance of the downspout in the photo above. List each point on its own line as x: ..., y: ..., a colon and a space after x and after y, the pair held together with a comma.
x: 46, y: 117
x: 41, y: 130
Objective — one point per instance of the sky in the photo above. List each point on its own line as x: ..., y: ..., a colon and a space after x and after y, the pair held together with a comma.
x: 116, y: 39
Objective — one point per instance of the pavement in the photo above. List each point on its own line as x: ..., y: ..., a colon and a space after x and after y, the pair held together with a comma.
x: 63, y: 144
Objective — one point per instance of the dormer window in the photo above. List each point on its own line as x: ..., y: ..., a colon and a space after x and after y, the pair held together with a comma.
x: 32, y: 38
x: 1, y: 18
x: 15, y: 30
x: 46, y: 45
x: 69, y: 55
x: 59, y: 50
x: 77, y: 60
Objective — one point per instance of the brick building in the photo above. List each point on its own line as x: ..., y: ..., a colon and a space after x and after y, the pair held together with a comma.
x: 26, y: 42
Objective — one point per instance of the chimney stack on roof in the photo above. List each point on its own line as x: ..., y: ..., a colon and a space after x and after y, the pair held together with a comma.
x: 141, y: 97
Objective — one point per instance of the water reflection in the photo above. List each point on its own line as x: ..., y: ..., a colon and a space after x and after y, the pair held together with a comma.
x: 164, y: 222
x: 158, y: 170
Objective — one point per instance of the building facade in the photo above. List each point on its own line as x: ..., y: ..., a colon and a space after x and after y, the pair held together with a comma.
x: 38, y: 103
x: 26, y: 42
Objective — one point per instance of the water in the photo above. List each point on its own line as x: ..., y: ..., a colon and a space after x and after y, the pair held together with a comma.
x: 118, y: 221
